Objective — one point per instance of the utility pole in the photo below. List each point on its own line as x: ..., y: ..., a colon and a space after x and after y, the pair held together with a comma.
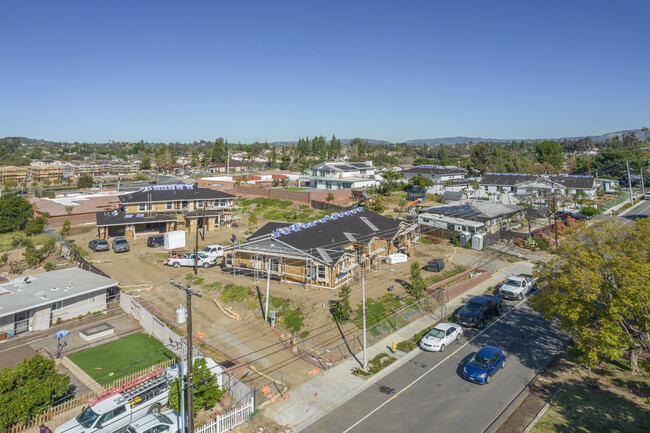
x: 642, y: 183
x: 204, y: 220
x: 363, y: 308
x: 180, y: 389
x: 554, y: 216
x: 629, y: 181
x: 196, y: 245
x: 268, y: 287
x: 190, y: 400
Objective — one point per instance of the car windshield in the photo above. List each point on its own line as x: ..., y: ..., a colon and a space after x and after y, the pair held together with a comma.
x: 162, y: 418
x: 473, y: 306
x: 87, y: 417
x: 513, y: 283
x: 102, y: 243
x: 436, y: 333
x: 207, y: 249
x: 479, y: 362
x: 121, y: 242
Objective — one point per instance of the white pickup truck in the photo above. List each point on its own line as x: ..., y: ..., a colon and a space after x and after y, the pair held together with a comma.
x: 515, y: 287
x: 116, y: 409
x: 203, y: 260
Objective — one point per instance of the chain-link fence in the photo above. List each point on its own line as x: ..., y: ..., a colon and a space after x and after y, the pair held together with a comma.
x: 434, y: 304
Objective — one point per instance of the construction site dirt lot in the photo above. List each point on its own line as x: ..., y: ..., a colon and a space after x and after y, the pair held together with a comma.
x: 141, y: 272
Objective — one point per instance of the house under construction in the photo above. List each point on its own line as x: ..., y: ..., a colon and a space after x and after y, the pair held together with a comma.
x: 324, y: 253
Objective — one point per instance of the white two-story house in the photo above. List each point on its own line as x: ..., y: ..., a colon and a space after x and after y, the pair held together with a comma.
x: 340, y: 175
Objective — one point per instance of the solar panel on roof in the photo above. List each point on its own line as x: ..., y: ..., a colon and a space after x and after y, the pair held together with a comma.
x: 342, y: 167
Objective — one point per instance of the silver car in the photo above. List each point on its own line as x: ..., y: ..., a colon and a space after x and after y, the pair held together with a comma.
x: 441, y: 336
x: 121, y: 245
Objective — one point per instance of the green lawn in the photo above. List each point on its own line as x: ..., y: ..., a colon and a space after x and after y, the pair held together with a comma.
x: 121, y: 357
x: 579, y: 409
x: 5, y: 240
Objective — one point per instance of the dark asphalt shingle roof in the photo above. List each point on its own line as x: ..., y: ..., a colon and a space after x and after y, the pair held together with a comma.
x: 512, y: 179
x: 118, y: 218
x: 333, y: 235
x: 154, y: 195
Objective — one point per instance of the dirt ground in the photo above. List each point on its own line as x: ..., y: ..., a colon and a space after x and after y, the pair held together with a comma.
x: 141, y: 271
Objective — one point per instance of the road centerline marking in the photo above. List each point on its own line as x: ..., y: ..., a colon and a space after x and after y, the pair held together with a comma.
x: 431, y: 369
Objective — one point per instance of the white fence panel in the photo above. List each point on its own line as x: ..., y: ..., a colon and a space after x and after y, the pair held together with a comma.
x: 230, y: 419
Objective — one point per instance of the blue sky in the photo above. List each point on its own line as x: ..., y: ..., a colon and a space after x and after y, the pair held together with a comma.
x: 278, y: 70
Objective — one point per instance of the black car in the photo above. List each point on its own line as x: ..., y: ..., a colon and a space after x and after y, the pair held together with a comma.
x: 479, y: 309
x: 156, y: 241
x: 563, y: 215
x: 99, y: 245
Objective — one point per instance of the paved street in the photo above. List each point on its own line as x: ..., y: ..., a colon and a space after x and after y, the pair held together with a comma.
x: 428, y: 393
x: 641, y: 210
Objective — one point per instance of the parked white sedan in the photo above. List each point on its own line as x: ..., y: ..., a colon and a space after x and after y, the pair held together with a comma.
x: 441, y: 336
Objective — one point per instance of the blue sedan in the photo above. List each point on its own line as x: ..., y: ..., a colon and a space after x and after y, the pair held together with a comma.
x: 484, y: 364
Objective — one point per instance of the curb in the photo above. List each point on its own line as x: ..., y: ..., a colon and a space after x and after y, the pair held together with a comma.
x: 543, y: 410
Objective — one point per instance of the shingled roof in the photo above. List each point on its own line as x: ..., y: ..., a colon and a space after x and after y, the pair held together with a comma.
x: 190, y: 192
x: 331, y: 236
x: 512, y: 179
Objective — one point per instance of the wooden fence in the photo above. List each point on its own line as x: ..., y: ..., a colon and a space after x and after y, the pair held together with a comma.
x: 80, y: 400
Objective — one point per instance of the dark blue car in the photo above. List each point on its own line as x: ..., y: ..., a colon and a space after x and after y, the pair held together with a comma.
x: 479, y: 309
x: 484, y: 364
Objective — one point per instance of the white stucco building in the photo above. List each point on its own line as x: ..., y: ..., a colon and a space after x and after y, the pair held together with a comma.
x: 37, y: 302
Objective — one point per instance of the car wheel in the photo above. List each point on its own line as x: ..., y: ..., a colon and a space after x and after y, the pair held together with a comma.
x: 520, y: 296
x: 503, y: 365
x: 206, y: 265
x: 487, y: 379
x: 442, y: 347
x: 176, y: 264
x: 499, y: 311
x: 458, y: 336
x: 155, y: 408
x: 481, y: 324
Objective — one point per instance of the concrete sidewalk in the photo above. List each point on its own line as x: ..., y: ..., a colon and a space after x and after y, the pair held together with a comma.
x: 330, y: 389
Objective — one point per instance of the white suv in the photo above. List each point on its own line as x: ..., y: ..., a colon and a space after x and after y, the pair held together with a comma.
x: 168, y: 422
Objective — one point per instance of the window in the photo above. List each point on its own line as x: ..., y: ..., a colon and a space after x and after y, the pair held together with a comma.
x: 169, y: 205
x: 321, y: 272
x: 90, y: 298
x: 58, y: 305
x: 229, y: 259
x: 144, y: 206
x: 184, y: 204
x: 199, y: 204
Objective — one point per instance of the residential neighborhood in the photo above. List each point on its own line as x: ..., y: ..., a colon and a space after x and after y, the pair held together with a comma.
x: 284, y: 217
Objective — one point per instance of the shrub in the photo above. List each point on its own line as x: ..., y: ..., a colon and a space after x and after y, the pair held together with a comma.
x: 4, y: 258
x: 65, y: 230
x: 292, y: 320
x: 234, y: 293
x: 541, y: 243
x: 406, y: 345
x: 376, y: 364
x: 456, y: 239
x: 426, y: 241
x: 212, y: 286
x: 589, y: 211
x: 48, y: 266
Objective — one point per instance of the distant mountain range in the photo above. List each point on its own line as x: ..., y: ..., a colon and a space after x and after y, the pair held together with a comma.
x: 641, y: 135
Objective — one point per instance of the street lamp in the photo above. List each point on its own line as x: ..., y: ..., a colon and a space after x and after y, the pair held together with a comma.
x: 60, y: 345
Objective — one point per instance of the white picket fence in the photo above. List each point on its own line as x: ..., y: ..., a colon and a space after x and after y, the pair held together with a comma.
x: 230, y: 419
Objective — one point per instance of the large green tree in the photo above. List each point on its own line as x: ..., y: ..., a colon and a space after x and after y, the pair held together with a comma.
x: 480, y: 158
x: 85, y: 181
x: 14, y: 212
x: 596, y: 286
x: 27, y: 389
x: 421, y: 181
x: 550, y: 152
x: 206, y: 391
